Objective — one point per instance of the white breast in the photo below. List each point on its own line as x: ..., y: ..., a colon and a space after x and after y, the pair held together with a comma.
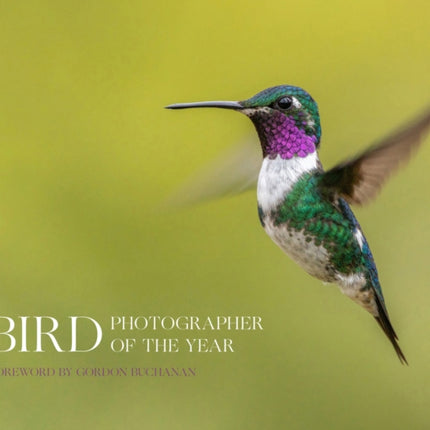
x: 278, y: 176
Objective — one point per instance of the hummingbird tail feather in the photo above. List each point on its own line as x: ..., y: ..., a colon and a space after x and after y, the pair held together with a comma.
x: 384, y: 322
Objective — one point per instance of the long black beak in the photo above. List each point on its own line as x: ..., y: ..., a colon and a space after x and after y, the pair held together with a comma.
x: 216, y: 104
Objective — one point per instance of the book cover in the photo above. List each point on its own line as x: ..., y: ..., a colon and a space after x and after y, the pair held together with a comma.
x: 121, y: 307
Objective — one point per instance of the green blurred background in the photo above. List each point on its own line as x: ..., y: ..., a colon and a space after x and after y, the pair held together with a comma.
x: 88, y: 155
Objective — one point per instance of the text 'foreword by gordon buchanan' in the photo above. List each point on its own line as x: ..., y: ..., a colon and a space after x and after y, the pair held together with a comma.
x: 152, y: 333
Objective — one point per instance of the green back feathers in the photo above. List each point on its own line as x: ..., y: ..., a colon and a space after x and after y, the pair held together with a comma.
x: 305, y: 209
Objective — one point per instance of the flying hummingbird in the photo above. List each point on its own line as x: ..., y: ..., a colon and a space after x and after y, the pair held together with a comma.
x: 304, y: 209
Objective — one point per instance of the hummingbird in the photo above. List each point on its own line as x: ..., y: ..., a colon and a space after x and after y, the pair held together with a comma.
x: 306, y: 210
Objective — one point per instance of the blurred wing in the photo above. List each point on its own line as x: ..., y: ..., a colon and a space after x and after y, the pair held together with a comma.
x: 360, y: 179
x: 233, y: 172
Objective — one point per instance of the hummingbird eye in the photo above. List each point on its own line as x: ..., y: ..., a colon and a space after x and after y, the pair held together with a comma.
x: 284, y: 102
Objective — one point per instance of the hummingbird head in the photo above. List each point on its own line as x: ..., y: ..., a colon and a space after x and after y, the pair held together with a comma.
x: 286, y: 119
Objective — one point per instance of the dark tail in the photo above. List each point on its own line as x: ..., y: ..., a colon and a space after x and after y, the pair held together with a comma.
x: 384, y: 322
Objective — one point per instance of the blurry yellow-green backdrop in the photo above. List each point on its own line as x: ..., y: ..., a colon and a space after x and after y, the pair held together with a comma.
x: 88, y: 155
